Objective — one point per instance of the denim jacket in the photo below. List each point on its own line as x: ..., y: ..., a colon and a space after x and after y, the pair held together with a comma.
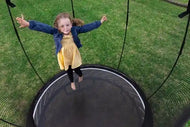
x: 75, y: 30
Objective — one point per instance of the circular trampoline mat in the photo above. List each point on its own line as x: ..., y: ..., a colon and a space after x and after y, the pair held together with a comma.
x: 105, y: 98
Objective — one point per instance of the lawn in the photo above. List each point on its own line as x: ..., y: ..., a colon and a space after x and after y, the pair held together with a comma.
x: 154, y: 37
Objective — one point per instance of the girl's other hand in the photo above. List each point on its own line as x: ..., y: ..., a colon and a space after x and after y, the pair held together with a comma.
x: 104, y: 18
x: 23, y: 23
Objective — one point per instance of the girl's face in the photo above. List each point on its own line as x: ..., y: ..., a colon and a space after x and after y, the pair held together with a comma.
x: 64, y: 25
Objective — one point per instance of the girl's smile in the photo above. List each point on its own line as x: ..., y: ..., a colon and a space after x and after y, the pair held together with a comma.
x: 64, y: 25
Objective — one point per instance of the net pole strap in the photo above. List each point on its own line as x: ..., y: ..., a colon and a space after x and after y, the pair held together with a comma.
x: 9, y: 123
x: 180, y: 53
x: 18, y: 37
x: 73, y: 11
x: 185, y: 12
x: 125, y: 35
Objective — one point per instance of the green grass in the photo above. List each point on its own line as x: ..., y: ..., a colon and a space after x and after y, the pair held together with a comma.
x: 188, y: 124
x: 153, y: 40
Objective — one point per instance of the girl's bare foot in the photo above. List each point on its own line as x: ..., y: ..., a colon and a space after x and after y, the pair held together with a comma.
x: 80, y: 79
x: 73, y: 86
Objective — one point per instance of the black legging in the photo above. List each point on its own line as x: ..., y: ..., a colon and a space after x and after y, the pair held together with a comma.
x: 70, y: 73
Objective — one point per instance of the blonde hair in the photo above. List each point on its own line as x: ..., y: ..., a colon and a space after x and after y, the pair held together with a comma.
x: 74, y: 21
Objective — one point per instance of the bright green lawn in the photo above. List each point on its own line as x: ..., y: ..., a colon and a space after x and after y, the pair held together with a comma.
x: 154, y: 37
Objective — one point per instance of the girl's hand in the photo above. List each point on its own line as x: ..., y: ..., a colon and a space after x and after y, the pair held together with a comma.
x: 104, y: 18
x: 23, y: 23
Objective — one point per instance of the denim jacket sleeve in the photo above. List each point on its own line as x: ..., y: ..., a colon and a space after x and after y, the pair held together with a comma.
x: 38, y: 26
x: 88, y: 27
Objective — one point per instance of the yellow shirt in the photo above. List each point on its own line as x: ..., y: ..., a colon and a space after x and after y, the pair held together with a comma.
x: 69, y: 54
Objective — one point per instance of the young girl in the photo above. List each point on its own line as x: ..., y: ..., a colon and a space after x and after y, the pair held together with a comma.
x: 65, y: 33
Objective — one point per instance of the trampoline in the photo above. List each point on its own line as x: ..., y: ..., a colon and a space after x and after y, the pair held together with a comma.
x: 105, y: 98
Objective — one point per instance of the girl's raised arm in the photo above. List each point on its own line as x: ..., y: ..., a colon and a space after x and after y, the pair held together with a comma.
x: 91, y: 26
x: 35, y: 25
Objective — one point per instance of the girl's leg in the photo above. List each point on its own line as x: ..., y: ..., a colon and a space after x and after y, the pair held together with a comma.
x: 79, y: 73
x: 70, y: 75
